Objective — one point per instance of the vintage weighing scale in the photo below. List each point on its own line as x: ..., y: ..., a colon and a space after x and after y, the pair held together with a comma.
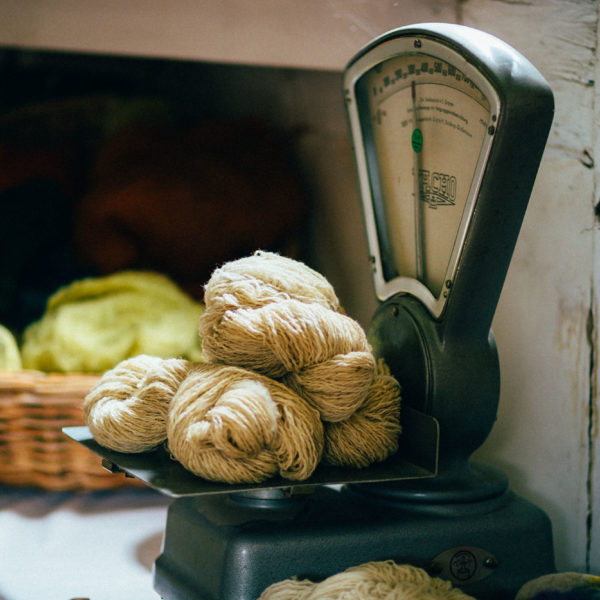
x: 448, y: 127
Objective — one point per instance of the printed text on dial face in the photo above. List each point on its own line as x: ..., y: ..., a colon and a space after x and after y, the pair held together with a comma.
x: 437, y: 189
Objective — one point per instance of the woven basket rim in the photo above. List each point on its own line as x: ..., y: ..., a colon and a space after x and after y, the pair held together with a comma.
x: 34, y: 407
x: 46, y: 383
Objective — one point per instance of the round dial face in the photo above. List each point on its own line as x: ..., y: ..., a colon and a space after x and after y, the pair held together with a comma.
x: 425, y: 126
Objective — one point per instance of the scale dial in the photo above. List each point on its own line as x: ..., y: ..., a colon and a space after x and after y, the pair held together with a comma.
x: 425, y: 118
x: 449, y: 125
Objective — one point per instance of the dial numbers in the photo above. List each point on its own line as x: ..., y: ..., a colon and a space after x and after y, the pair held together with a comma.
x: 427, y: 123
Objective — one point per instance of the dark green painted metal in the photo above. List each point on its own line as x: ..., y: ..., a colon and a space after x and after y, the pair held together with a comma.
x: 218, y: 549
x: 449, y: 366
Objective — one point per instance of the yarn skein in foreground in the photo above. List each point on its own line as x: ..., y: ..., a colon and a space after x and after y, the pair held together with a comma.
x: 384, y: 580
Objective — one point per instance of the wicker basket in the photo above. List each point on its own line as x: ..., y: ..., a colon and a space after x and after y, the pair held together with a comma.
x: 34, y: 407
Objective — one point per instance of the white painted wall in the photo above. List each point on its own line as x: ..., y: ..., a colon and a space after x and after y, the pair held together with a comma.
x: 547, y: 319
x: 541, y: 437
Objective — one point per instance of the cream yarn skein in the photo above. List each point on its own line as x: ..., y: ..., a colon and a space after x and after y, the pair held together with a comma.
x: 324, y: 356
x: 266, y: 317
x: 127, y: 409
x: 264, y: 278
x: 371, y: 433
x: 280, y: 318
x: 229, y: 424
x: 381, y: 580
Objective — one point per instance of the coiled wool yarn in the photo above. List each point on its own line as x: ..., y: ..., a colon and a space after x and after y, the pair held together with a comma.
x: 382, y: 580
x: 127, y: 409
x: 264, y: 278
x: 371, y: 433
x: 280, y: 318
x: 233, y: 425
x: 289, y: 380
x: 568, y: 585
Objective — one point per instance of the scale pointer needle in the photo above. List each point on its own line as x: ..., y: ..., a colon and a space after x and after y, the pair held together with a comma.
x: 418, y: 205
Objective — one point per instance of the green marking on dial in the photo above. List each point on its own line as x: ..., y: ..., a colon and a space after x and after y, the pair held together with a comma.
x: 416, y: 140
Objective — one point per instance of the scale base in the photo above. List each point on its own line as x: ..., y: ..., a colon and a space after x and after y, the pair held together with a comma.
x: 233, y: 548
